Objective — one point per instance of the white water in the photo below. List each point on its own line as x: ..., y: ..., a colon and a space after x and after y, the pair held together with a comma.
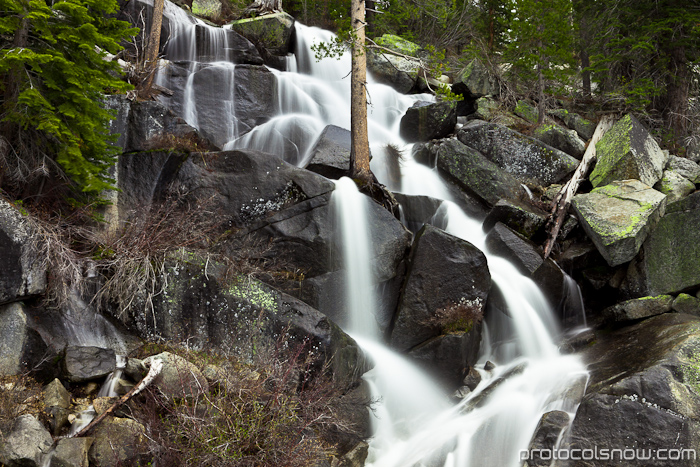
x: 416, y: 423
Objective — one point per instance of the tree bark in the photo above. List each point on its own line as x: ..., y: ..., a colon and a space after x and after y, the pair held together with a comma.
x: 359, y: 148
x: 150, y: 59
x: 677, y: 92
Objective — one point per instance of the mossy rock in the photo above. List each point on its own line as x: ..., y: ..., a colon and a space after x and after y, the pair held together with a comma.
x: 618, y: 217
x: 273, y: 31
x: 628, y: 151
x: 685, y: 303
x: 398, y: 44
x: 474, y: 81
x: 674, y: 186
x: 527, y: 111
x: 672, y: 252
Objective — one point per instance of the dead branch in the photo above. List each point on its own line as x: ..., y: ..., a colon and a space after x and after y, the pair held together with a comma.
x: 561, y: 203
x: 156, y: 367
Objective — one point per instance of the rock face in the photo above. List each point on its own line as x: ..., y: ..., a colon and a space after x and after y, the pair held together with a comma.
x: 559, y: 138
x: 424, y: 121
x: 242, y: 316
x: 143, y: 125
x: 87, y: 363
x: 446, y: 286
x: 475, y: 173
x: 671, y: 256
x: 618, y: 217
x: 246, y: 185
x: 23, y: 273
x: 527, y: 159
x: 628, y: 151
x: 274, y: 32
x: 644, y: 391
x: 21, y: 347
x: 26, y: 444
x: 330, y: 154
x: 474, y: 81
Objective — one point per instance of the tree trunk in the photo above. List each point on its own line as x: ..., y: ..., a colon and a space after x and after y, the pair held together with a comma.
x: 677, y: 92
x: 359, y: 148
x: 150, y: 59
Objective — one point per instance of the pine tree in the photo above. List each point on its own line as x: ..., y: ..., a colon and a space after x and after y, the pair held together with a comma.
x: 541, y: 48
x: 54, y: 79
x: 645, y: 52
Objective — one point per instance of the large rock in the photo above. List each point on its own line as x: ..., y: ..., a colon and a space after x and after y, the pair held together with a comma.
x: 23, y: 273
x: 273, y: 32
x: 424, y: 121
x: 71, y: 452
x: 242, y: 316
x: 574, y: 121
x: 638, y: 308
x: 528, y: 159
x: 117, y: 442
x: 559, y: 138
x: 475, y: 173
x: 146, y: 125
x: 251, y: 90
x: 178, y: 378
x: 21, y: 347
x: 685, y: 168
x: 529, y: 112
x: 26, y: 444
x: 474, y: 81
x: 398, y: 72
x: 245, y: 186
x: 643, y: 393
x: 55, y: 395
x: 671, y: 255
x: 87, y: 363
x: 618, y: 217
x: 525, y: 219
x: 486, y: 108
x: 446, y: 286
x: 628, y: 151
x: 546, y: 438
x: 212, y: 44
x: 330, y: 154
x: 449, y: 356
x: 674, y: 186
x: 527, y: 258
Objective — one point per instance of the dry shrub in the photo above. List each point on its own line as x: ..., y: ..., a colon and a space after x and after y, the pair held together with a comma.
x: 460, y: 316
x: 264, y: 414
x: 19, y: 395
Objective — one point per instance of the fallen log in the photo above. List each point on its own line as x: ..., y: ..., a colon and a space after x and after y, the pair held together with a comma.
x: 156, y: 367
x: 560, y: 205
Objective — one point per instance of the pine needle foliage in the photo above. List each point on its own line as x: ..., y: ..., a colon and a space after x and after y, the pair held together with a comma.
x: 55, y: 73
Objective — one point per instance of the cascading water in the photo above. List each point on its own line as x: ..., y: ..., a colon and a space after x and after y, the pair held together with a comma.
x: 416, y: 423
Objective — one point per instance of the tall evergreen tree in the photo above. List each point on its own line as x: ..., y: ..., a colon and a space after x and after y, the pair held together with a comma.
x: 645, y: 51
x: 54, y: 78
x: 541, y: 46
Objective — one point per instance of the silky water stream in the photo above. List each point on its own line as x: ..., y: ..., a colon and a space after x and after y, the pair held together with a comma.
x: 415, y: 422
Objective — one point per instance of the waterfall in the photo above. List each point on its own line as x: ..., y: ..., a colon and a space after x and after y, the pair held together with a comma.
x: 415, y: 421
